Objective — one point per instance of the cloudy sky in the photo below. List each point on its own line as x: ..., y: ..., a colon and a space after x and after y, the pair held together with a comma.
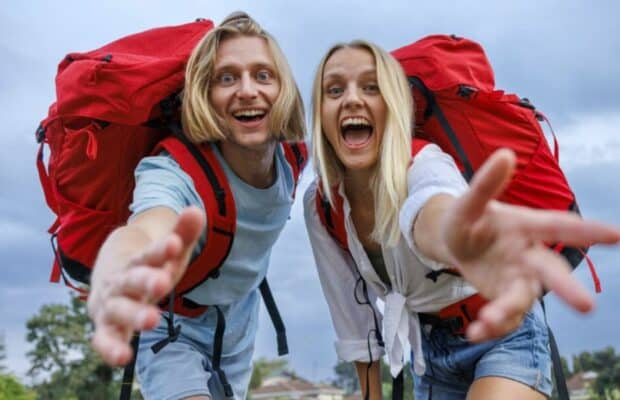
x: 563, y: 55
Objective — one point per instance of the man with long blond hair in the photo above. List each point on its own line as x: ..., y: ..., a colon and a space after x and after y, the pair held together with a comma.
x: 239, y: 98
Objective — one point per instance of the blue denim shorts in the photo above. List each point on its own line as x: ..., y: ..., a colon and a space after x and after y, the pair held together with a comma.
x: 453, y: 363
x: 183, y: 368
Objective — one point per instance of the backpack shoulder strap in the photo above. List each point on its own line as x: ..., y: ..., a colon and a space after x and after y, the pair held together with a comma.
x: 296, y: 154
x: 332, y: 218
x: 201, y: 164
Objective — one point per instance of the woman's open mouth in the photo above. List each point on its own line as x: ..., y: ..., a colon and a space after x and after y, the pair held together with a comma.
x: 356, y: 132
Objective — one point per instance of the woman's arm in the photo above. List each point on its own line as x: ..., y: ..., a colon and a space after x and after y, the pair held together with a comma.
x: 500, y: 248
x: 372, y: 376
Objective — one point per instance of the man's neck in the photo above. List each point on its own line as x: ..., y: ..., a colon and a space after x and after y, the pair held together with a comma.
x: 254, y: 166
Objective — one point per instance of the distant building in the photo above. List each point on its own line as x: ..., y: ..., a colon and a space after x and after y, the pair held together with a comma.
x: 579, y: 385
x: 290, y: 388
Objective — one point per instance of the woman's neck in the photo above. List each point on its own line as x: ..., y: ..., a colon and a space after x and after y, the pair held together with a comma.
x: 359, y: 192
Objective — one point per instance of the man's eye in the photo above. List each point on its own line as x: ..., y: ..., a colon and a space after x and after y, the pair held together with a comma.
x: 226, y: 79
x: 263, y: 75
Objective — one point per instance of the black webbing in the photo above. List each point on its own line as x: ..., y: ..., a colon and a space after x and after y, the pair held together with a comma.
x: 127, y: 382
x: 558, y: 372
x: 445, y: 125
x: 217, y: 352
x: 398, y: 386
x: 173, y: 331
x: 276, y: 319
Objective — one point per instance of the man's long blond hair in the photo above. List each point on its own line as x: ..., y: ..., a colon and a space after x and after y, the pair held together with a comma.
x: 201, y: 122
x: 389, y: 183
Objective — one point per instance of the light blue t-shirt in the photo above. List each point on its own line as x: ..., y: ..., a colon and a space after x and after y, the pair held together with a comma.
x: 261, y: 215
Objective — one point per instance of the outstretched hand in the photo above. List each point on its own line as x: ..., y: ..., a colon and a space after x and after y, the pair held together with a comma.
x: 124, y: 302
x: 500, y: 249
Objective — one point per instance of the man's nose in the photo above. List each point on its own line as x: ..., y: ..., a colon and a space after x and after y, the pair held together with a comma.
x: 247, y: 87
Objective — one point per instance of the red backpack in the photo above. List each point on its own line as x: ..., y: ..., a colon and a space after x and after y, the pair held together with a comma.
x: 114, y: 106
x: 459, y: 109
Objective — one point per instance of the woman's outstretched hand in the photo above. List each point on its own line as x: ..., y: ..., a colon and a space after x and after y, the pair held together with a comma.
x: 500, y: 249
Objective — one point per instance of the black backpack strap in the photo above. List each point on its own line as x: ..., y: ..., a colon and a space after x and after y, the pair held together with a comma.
x: 434, y: 109
x: 128, y: 372
x: 558, y: 372
x: 276, y: 319
x: 398, y: 386
x: 217, y: 352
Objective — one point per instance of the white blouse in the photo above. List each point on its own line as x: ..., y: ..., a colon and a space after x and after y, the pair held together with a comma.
x: 410, y: 291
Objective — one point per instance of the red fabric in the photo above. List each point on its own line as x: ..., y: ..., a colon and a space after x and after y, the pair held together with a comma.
x: 485, y: 121
x: 466, y: 309
x: 220, y: 227
x: 95, y: 135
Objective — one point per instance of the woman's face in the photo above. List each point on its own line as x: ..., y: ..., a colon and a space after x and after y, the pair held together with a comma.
x: 353, y: 112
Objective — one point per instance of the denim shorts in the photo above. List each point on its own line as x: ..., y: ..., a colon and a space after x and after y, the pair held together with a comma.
x: 183, y: 368
x: 453, y: 363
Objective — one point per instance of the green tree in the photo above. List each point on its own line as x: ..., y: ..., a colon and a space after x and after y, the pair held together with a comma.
x: 62, y: 360
x: 2, y: 354
x: 387, y: 381
x: 346, y: 377
x: 264, y: 368
x: 12, y: 389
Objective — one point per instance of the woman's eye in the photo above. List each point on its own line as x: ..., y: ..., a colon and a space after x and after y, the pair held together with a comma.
x: 263, y: 75
x: 371, y: 88
x: 334, y: 90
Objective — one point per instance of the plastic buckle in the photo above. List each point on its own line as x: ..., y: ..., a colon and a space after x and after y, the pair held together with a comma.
x: 40, y: 134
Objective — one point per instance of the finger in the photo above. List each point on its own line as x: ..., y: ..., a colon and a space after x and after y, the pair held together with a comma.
x: 188, y: 229
x: 554, y: 273
x: 127, y: 314
x: 556, y: 226
x: 112, y: 345
x: 160, y: 252
x: 143, y: 283
x: 189, y: 226
x: 505, y: 313
x: 488, y: 182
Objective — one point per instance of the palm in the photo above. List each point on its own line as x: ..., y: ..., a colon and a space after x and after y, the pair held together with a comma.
x: 499, y: 247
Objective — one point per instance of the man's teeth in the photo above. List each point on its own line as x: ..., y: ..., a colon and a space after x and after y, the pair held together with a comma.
x: 355, y: 122
x: 249, y: 113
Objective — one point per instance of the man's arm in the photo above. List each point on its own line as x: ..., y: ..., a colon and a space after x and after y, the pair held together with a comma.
x: 137, y: 265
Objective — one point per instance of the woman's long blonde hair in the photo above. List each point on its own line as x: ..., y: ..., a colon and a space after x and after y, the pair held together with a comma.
x: 389, y: 183
x: 201, y: 122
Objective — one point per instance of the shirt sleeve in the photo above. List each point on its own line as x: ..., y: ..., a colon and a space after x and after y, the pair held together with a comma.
x: 432, y: 172
x: 354, y: 323
x: 160, y: 181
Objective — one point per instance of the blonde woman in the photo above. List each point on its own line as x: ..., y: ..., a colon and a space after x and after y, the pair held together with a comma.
x: 407, y: 216
x: 239, y: 98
